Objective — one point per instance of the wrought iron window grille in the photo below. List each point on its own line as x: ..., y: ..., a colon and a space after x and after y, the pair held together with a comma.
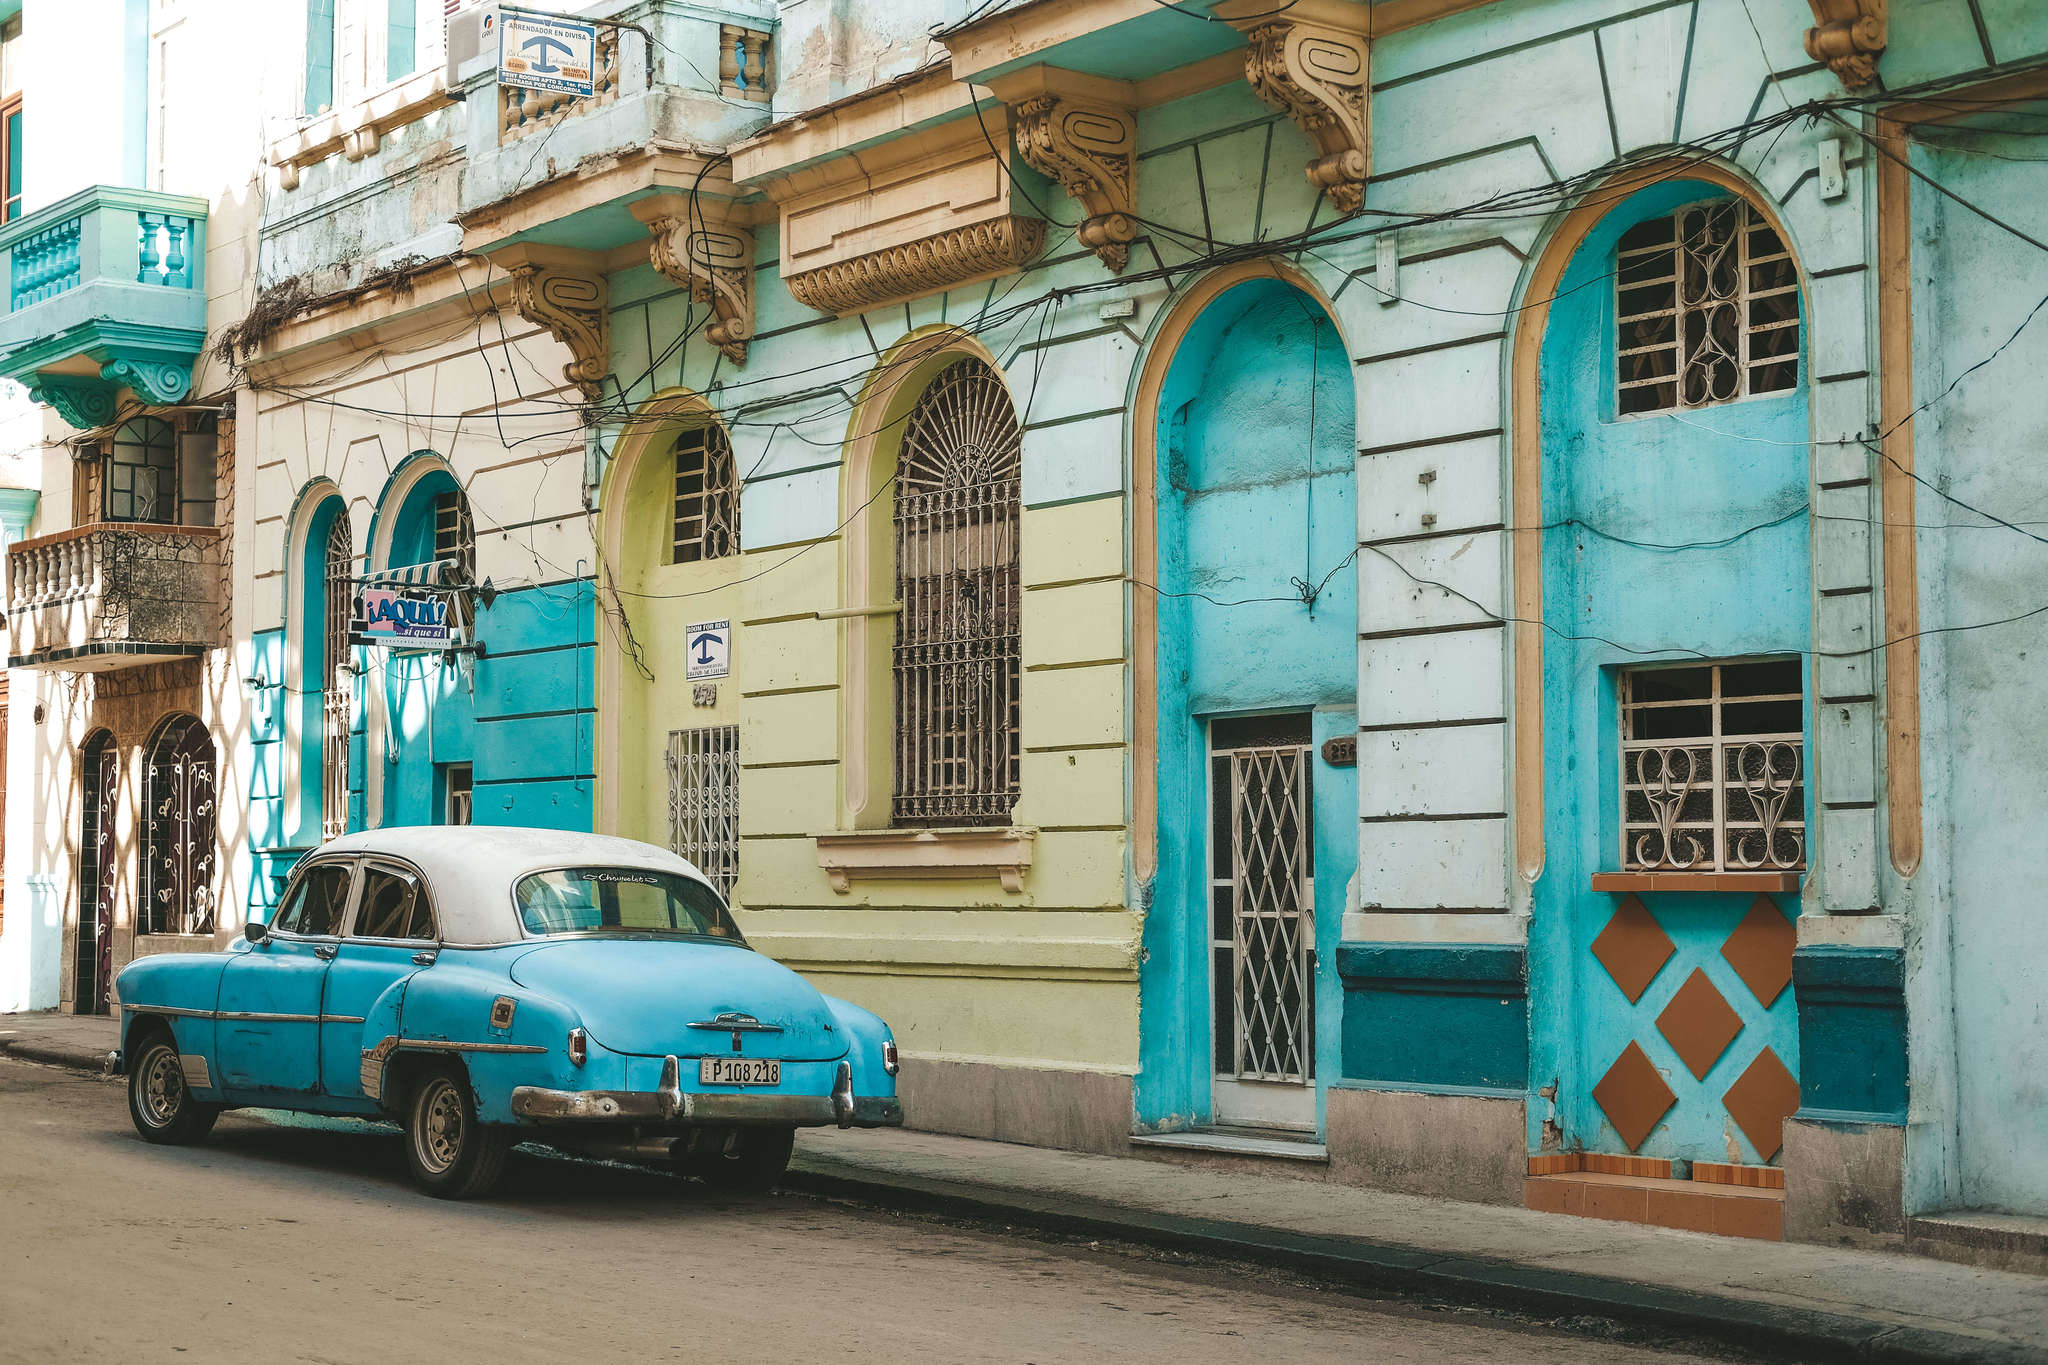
x: 179, y: 854
x: 1713, y: 768
x: 956, y: 659
x: 1262, y: 909
x: 1706, y: 310
x: 337, y: 680
x: 704, y: 801
x: 707, y: 509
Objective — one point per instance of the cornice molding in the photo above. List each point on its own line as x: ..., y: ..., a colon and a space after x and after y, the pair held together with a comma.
x: 1849, y: 36
x: 566, y: 292
x: 1312, y: 64
x: 1075, y: 130
x: 712, y: 258
x: 941, y: 261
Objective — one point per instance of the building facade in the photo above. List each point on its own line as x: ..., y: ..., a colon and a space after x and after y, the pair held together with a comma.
x: 1416, y: 589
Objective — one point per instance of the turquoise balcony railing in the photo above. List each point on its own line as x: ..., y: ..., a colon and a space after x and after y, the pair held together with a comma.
x: 105, y: 290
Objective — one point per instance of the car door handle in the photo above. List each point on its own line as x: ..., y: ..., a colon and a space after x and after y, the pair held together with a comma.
x: 326, y: 951
x: 423, y: 959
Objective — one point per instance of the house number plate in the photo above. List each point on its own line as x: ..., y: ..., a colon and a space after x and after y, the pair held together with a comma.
x: 738, y: 1071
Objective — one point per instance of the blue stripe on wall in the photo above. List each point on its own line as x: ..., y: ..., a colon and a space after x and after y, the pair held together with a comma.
x: 1426, y: 1016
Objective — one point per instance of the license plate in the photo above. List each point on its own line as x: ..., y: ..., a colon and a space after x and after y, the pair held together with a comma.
x: 738, y: 1071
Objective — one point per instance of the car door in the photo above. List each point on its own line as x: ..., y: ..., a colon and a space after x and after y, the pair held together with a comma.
x: 270, y: 996
x: 390, y: 937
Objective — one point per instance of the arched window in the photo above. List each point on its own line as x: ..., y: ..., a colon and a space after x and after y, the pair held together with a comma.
x: 956, y: 655
x: 338, y: 605
x: 99, y: 776
x: 707, y: 516
x: 178, y: 855
x: 1706, y: 309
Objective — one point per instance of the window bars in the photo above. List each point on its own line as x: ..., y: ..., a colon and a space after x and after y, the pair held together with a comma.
x: 707, y: 513
x: 704, y: 801
x: 179, y: 853
x: 1712, y: 768
x: 336, y: 677
x: 956, y: 655
x: 93, y: 956
x: 1706, y: 309
x: 455, y: 546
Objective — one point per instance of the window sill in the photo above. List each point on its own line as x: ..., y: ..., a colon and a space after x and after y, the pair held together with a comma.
x: 999, y: 853
x: 1697, y: 881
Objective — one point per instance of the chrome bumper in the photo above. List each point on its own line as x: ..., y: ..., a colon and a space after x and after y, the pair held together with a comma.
x: 669, y: 1103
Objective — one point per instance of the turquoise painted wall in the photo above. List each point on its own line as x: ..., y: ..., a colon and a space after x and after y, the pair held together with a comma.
x: 1703, y: 476
x: 1251, y: 496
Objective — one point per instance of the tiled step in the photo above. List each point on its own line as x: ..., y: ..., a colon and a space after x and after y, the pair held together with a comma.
x: 1693, y: 1205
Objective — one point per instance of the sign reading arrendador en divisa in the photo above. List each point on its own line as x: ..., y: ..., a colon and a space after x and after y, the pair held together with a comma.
x: 542, y: 52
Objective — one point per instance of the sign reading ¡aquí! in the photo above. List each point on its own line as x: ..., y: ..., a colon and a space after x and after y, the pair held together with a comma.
x: 402, y: 618
x: 540, y: 52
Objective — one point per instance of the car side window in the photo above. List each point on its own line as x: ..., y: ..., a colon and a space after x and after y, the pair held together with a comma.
x: 394, y: 906
x: 318, y: 902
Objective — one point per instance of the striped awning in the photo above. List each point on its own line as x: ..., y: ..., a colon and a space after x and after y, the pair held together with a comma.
x: 436, y: 573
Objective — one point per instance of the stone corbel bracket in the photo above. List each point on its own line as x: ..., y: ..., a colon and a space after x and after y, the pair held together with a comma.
x: 565, y: 291
x: 1848, y: 36
x: 1311, y: 63
x: 1081, y: 131
x: 710, y: 256
x: 928, y: 264
x: 1001, y: 854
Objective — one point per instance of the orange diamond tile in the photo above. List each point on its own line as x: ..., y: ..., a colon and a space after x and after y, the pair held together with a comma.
x: 1760, y: 950
x: 1633, y: 1096
x: 1760, y: 1101
x: 1698, y: 1024
x: 1633, y: 948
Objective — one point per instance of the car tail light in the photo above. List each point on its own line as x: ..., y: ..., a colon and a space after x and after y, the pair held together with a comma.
x: 579, y: 1045
x: 889, y: 1059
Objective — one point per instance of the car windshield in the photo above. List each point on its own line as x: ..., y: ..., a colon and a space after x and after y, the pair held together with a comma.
x: 630, y: 900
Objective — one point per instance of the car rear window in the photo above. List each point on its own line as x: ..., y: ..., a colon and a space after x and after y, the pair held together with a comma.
x: 627, y: 900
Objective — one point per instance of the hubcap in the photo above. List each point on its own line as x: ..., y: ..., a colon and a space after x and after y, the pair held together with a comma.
x: 163, y: 1087
x: 437, y: 1136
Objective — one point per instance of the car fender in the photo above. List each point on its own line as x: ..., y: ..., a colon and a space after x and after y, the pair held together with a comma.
x: 182, y: 991
x: 865, y: 1033
x: 448, y: 1010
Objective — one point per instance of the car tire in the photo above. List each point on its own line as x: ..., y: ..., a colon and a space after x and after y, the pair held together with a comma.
x: 451, y: 1153
x: 753, y: 1166
x: 159, y: 1101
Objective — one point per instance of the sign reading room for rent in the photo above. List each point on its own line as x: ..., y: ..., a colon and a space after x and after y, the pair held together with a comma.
x: 540, y: 52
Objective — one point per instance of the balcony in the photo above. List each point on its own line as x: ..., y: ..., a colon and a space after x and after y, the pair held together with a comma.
x: 105, y: 291
x: 113, y: 595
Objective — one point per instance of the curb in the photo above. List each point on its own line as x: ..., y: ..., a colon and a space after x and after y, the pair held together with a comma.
x: 1387, y: 1268
x: 67, y: 1055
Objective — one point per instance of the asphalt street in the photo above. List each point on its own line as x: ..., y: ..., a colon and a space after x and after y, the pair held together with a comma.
x: 278, y: 1241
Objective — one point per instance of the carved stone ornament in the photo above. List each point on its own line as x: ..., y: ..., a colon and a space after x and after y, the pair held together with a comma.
x: 1316, y: 75
x: 920, y: 267
x: 574, y: 304
x: 716, y: 262
x: 1091, y: 150
x: 82, y: 403
x: 154, y: 381
x: 1848, y: 35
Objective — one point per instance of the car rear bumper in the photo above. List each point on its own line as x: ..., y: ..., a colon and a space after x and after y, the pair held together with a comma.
x: 671, y: 1104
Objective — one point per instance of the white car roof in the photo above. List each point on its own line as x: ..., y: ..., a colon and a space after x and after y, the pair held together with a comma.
x: 471, y: 869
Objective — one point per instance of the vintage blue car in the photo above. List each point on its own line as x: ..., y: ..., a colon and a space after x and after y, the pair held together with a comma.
x: 486, y: 987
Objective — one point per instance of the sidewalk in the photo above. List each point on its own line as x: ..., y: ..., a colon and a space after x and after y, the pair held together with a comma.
x: 1787, y: 1299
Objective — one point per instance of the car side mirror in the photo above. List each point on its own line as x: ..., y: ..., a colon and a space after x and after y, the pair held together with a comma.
x: 256, y: 931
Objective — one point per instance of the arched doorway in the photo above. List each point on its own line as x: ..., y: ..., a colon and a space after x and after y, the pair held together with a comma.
x: 1252, y: 615
x: 99, y: 776
x: 179, y: 852
x: 1662, y: 386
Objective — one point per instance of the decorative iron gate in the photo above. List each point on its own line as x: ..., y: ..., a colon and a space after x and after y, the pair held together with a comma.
x: 93, y: 957
x: 334, y: 681
x: 179, y: 851
x: 957, y: 498
x: 1263, y: 912
x: 704, y: 801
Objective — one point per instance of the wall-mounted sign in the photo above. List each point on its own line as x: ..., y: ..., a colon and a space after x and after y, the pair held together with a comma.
x: 1341, y: 751
x: 541, y: 52
x: 402, y: 617
x: 707, y: 647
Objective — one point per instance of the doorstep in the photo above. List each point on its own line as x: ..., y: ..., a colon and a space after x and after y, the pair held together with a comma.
x: 1987, y: 1237
x: 1239, y: 1142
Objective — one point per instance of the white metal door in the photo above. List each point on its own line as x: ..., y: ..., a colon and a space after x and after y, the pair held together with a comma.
x: 1262, y: 923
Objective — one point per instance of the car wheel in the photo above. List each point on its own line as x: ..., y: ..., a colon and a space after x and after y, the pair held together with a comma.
x: 160, y: 1102
x: 452, y: 1155
x: 753, y: 1164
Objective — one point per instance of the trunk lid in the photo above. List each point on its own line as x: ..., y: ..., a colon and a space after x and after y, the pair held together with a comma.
x: 642, y: 996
